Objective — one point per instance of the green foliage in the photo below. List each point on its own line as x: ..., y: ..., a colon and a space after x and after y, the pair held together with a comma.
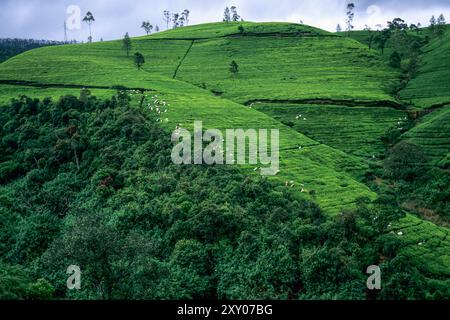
x: 12, y: 47
x: 127, y: 44
x: 142, y: 228
x: 234, y: 68
x: 76, y: 171
x: 405, y: 161
x: 139, y: 60
x: 428, y: 87
x: 16, y: 285
x: 395, y: 60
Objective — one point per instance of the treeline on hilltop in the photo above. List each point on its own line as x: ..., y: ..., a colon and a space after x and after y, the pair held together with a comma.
x: 12, y: 47
x: 90, y: 183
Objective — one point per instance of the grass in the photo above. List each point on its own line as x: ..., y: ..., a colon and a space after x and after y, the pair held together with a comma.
x: 354, y: 130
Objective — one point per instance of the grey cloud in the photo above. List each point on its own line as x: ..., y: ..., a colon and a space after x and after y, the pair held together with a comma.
x: 44, y: 19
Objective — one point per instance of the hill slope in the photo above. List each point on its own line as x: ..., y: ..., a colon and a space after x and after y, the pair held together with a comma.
x: 278, y: 63
x: 329, y: 172
x: 431, y: 86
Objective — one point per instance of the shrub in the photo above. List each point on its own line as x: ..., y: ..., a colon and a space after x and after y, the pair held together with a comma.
x: 405, y: 161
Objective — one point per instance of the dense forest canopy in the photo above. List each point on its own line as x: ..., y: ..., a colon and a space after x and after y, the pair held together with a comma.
x: 12, y: 47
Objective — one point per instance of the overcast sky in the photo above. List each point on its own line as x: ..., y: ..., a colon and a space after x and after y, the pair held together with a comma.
x: 44, y: 19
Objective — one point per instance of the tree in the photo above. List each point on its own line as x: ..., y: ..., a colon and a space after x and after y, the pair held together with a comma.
x: 127, y: 45
x: 139, y: 60
x: 89, y: 19
x: 227, y: 15
x: 397, y: 24
x: 440, y: 27
x: 166, y: 19
x: 414, y: 27
x: 370, y: 36
x: 234, y: 14
x: 350, y: 17
x: 147, y: 27
x: 398, y: 33
x: 234, y: 68
x: 395, y: 60
x: 338, y: 28
x: 405, y: 161
x: 175, y: 20
x: 186, y: 14
x: 382, y: 39
x: 433, y: 23
x: 182, y: 21
x: 156, y: 28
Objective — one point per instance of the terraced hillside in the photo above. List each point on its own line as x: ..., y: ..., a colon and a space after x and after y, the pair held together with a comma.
x: 431, y: 86
x: 433, y: 135
x: 360, y: 128
x: 425, y: 243
x: 105, y: 64
x: 287, y: 68
x: 281, y: 75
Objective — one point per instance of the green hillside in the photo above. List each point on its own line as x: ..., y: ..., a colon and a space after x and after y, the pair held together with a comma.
x: 287, y: 68
x: 433, y: 135
x: 328, y: 95
x: 431, y: 86
x: 360, y: 128
x: 218, y: 30
x: 75, y: 65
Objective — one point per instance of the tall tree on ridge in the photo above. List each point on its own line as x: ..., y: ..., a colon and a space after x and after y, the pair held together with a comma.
x: 234, y: 14
x: 227, y: 15
x: 147, y: 27
x: 433, y: 24
x: 127, y: 44
x: 176, y: 20
x: 350, y: 17
x: 186, y: 14
x: 89, y: 19
x: 370, y: 36
x: 182, y: 21
x: 440, y: 27
x: 166, y: 19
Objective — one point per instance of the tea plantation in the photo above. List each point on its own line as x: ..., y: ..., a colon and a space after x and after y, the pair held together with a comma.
x: 328, y: 94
